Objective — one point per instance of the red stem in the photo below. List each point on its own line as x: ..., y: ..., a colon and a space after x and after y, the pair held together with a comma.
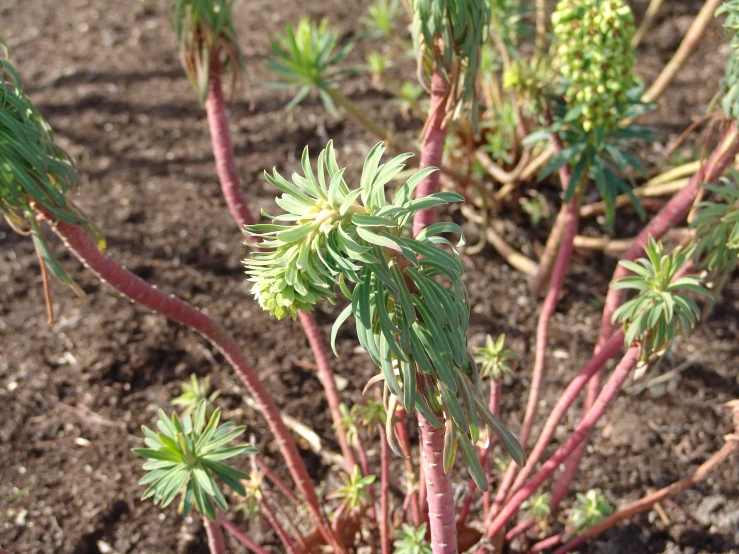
x: 239, y: 208
x: 494, y: 406
x: 412, y: 492
x: 138, y: 290
x: 326, y: 376
x: 242, y: 537
x: 547, y: 311
x: 432, y: 152
x: 384, y: 492
x: 546, y: 543
x: 648, y: 501
x: 542, y: 334
x: 285, y: 538
x: 439, y: 486
x: 520, y: 528
x: 223, y: 152
x: 668, y: 217
x: 606, y: 397
x: 215, y: 536
x: 566, y: 400
x: 275, y: 479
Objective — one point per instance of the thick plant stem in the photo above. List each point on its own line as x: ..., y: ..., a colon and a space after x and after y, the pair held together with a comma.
x: 139, y: 291
x: 239, y: 209
x: 667, y: 218
x: 242, y: 537
x: 220, y: 137
x: 439, y: 489
x: 326, y: 375
x: 685, y: 50
x: 432, y: 152
x: 215, y: 536
x: 384, y: 492
x: 606, y: 397
x: 648, y: 501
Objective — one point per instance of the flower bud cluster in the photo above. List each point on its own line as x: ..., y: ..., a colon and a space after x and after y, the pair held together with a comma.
x: 593, y: 40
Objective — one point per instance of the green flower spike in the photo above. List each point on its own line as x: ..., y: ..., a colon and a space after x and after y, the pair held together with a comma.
x: 34, y: 172
x: 186, y: 454
x: 660, y: 310
x: 593, y: 39
x: 305, y: 57
x: 408, y: 300
x: 205, y: 31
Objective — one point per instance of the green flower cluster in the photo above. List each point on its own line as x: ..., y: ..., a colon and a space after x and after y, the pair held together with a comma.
x: 594, y: 45
x: 409, y: 303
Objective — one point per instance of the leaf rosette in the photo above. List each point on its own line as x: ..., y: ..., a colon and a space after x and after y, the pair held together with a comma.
x: 408, y: 300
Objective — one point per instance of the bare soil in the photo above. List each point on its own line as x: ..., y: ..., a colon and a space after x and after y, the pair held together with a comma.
x: 74, y: 395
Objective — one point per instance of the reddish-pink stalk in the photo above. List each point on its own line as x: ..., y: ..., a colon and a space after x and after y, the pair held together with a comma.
x: 275, y: 479
x: 606, y: 397
x: 520, y: 528
x: 326, y: 375
x: 438, y: 492
x: 433, y: 139
x: 281, y: 511
x: 668, y: 217
x: 566, y: 400
x: 269, y: 516
x: 412, y: 492
x: 549, y: 256
x: 569, y: 222
x: 551, y: 251
x: 485, y: 456
x: 422, y: 492
x: 650, y: 500
x: 215, y: 536
x: 439, y: 486
x: 384, y: 492
x: 494, y: 407
x: 242, y: 537
x: 239, y: 208
x: 549, y: 542
x: 542, y: 334
x: 220, y: 137
x: 139, y: 291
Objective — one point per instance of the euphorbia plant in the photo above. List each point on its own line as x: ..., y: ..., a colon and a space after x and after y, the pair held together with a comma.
x: 413, y: 326
x: 34, y: 186
x: 209, y: 51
